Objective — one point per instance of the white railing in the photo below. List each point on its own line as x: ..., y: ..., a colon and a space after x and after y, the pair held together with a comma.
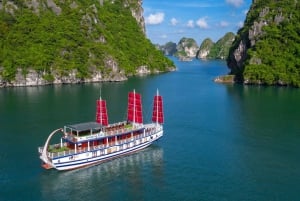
x: 74, y: 138
x: 121, y: 145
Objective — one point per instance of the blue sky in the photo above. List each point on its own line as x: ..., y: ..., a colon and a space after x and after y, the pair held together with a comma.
x: 170, y: 20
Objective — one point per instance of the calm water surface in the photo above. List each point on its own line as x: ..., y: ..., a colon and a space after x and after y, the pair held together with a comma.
x: 221, y: 142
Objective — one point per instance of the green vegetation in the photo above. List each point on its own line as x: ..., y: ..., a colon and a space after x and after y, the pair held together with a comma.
x: 275, y: 57
x: 170, y: 48
x: 183, y: 44
x: 128, y: 126
x: 220, y: 49
x: 189, y: 42
x: 206, y: 44
x: 80, y: 37
x: 57, y: 148
x: 225, y: 79
x: 180, y: 53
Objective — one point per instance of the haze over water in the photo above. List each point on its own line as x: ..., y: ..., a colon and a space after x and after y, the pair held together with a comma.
x: 221, y: 142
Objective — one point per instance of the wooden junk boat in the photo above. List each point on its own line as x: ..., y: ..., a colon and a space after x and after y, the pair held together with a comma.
x: 90, y: 143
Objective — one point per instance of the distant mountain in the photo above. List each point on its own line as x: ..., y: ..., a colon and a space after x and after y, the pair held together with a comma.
x: 186, y: 49
x: 205, y: 48
x: 219, y: 50
x: 168, y: 49
x: 267, y: 49
x: 48, y: 41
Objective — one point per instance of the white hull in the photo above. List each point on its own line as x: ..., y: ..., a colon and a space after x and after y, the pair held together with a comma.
x: 100, y: 155
x: 90, y: 143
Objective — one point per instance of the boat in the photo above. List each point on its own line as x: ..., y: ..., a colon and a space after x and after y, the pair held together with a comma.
x: 90, y: 143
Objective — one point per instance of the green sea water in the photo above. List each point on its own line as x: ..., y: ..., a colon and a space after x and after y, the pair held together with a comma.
x: 221, y: 142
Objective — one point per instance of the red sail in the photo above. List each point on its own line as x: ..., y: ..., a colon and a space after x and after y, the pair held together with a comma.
x: 134, y: 110
x: 158, y: 115
x: 101, y: 113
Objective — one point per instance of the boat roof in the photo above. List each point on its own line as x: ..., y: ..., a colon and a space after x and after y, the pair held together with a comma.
x: 85, y: 126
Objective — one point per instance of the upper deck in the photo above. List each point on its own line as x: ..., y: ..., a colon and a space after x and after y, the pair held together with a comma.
x: 92, y: 130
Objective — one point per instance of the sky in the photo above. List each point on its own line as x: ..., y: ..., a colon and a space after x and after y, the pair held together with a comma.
x: 171, y: 20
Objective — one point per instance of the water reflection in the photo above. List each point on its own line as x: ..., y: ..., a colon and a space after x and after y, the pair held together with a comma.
x: 127, y: 175
x: 265, y: 129
x: 266, y: 108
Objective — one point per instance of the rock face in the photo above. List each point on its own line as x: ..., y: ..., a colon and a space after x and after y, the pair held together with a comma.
x: 137, y: 13
x: 265, y: 50
x: 84, y: 53
x: 168, y: 49
x: 187, y: 48
x: 205, y: 48
x: 34, y: 78
x: 218, y: 50
x: 246, y: 39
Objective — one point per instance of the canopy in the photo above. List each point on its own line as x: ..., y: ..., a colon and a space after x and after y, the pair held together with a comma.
x: 87, y: 126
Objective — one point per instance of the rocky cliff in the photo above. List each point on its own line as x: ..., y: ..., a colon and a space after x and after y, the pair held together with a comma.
x: 168, y: 49
x: 205, y: 48
x: 47, y: 41
x: 186, y: 48
x: 219, y: 50
x: 267, y: 49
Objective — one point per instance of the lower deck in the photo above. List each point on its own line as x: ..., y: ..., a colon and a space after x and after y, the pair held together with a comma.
x: 72, y: 159
x: 101, y: 146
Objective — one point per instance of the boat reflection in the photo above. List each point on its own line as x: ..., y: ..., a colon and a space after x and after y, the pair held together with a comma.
x: 125, y: 174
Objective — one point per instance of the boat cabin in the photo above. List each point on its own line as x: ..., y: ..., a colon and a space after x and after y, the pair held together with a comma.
x: 83, y: 129
x: 91, y: 134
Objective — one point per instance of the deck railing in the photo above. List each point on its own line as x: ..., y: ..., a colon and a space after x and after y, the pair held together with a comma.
x: 74, y: 138
x: 70, y: 152
x: 120, y: 144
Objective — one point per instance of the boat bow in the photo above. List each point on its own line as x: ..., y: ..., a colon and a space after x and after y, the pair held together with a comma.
x: 43, y: 155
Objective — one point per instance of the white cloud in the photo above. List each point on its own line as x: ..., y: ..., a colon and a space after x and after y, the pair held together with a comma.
x: 164, y: 36
x: 224, y: 24
x: 202, y: 23
x: 190, y: 24
x: 156, y: 18
x: 174, y: 21
x: 235, y: 3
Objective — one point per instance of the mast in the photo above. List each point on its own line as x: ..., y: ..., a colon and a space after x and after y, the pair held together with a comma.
x: 134, y: 105
x: 157, y: 94
x: 157, y: 115
x: 101, y: 112
x: 134, y: 112
x: 100, y: 106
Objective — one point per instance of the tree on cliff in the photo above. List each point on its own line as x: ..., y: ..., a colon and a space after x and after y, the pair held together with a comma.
x: 57, y: 37
x: 267, y: 49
